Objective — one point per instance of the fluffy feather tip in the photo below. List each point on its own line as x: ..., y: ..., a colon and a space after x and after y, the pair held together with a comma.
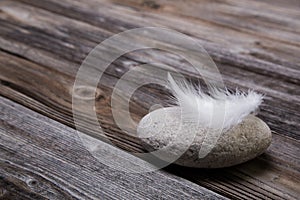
x: 219, y: 110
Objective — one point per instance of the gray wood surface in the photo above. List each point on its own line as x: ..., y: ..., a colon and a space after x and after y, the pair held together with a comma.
x: 255, y: 44
x: 43, y: 159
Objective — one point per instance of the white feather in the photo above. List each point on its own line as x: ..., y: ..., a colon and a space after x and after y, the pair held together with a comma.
x: 219, y: 110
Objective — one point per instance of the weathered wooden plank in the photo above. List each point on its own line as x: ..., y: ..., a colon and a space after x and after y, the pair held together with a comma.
x: 43, y: 159
x: 39, y: 20
x: 280, y: 160
x: 72, y: 48
x: 232, y: 46
x: 59, y: 44
x: 40, y: 26
x: 258, y: 18
x: 273, y: 105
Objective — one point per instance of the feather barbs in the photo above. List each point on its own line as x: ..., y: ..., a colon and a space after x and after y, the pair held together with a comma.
x: 219, y: 110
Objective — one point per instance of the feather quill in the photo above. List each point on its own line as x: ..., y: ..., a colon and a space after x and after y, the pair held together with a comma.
x: 220, y: 110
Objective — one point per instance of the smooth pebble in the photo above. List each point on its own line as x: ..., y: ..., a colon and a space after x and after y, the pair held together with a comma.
x: 162, y: 129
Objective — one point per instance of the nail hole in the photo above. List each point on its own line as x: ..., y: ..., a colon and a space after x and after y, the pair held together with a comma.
x: 151, y: 4
x: 257, y: 43
x: 32, y: 182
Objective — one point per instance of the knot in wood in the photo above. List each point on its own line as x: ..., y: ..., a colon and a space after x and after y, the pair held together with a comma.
x: 87, y: 93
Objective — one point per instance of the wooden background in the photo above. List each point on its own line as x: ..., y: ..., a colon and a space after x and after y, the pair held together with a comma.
x: 255, y: 44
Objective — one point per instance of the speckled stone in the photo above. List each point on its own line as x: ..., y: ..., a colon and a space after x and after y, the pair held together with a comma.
x: 239, y: 144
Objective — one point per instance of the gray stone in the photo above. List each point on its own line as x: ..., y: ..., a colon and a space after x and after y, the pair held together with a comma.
x: 162, y: 129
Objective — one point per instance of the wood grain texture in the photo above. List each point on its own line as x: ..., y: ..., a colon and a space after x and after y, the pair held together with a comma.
x: 43, y: 159
x: 43, y: 43
x: 251, y: 51
x: 73, y: 47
